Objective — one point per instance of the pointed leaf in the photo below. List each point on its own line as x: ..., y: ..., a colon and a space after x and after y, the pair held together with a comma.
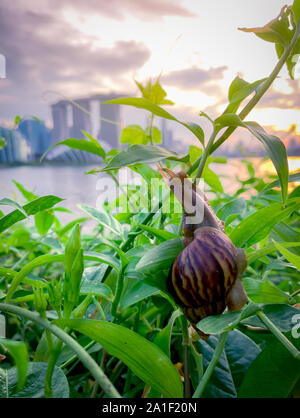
x: 144, y: 358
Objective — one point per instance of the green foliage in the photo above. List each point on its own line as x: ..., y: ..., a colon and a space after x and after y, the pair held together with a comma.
x: 144, y: 358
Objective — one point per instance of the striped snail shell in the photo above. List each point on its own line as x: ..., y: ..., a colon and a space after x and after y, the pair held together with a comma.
x: 205, y: 278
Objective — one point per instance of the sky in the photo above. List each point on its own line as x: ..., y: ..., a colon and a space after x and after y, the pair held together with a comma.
x: 72, y: 48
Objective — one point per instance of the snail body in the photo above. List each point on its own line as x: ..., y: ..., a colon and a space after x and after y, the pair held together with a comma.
x: 205, y: 278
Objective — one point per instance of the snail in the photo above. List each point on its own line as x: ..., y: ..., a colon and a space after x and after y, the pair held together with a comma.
x: 205, y: 277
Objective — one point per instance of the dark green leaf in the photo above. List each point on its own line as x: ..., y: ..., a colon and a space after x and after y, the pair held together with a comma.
x: 160, y: 257
x: 273, y: 374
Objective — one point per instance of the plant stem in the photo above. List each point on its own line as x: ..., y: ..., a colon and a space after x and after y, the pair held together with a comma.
x: 214, y: 361
x: 186, y: 345
x: 278, y: 334
x: 117, y: 298
x: 205, y: 154
x: 265, y: 86
x: 85, y: 358
x: 252, y: 103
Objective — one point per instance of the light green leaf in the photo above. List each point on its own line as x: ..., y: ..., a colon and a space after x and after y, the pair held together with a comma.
x: 257, y: 226
x: 142, y: 103
x: 154, y: 133
x: 273, y: 145
x: 163, y: 338
x: 263, y: 291
x: 29, y: 196
x: 13, y: 204
x: 80, y: 144
x: 19, y: 353
x: 104, y: 218
x: 144, y: 358
x: 31, y: 208
x: 137, y: 154
x: 43, y: 222
x: 159, y: 233
x: 296, y: 10
x: 133, y: 134
x: 291, y: 257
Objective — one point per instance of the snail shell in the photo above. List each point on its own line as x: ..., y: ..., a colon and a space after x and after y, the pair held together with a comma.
x: 205, y: 278
x: 202, y: 279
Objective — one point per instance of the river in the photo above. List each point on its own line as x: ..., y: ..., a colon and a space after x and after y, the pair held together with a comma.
x: 72, y: 184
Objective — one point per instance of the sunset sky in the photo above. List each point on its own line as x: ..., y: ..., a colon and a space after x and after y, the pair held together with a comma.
x: 73, y: 48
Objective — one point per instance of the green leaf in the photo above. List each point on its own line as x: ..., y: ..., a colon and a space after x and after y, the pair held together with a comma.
x: 145, y: 104
x: 215, y: 324
x: 146, y: 172
x: 276, y: 151
x: 236, y: 206
x: 137, y: 154
x: 17, y: 120
x: 160, y: 257
x: 137, y: 291
x: 292, y: 177
x: 105, y: 219
x: 80, y: 144
x: 212, y: 179
x: 13, y: 204
x: 257, y: 226
x: 273, y: 374
x: 296, y: 10
x: 159, y: 233
x: 154, y: 92
x: 19, y: 353
x: 34, y: 387
x: 133, y: 134
x: 29, y: 196
x: 291, y: 257
x: 269, y: 249
x: 239, y: 352
x: 163, y: 337
x: 31, y: 208
x: 238, y: 91
x: 280, y: 314
x: 43, y: 222
x: 276, y: 31
x: 144, y: 358
x: 3, y: 142
x: 97, y: 289
x: 273, y: 145
x: 94, y: 142
x: 154, y: 133
x: 264, y: 291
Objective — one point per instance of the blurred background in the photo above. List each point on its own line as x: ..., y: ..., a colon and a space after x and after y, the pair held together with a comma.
x: 60, y: 60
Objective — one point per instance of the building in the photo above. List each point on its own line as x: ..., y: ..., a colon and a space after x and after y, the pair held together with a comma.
x: 71, y: 117
x: 37, y: 135
x: 16, y: 149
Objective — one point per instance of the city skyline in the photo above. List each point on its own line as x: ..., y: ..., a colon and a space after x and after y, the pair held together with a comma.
x: 100, y: 47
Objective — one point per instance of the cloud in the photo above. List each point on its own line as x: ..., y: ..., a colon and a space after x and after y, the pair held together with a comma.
x: 44, y: 53
x: 274, y: 98
x: 117, y: 9
x: 195, y: 78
